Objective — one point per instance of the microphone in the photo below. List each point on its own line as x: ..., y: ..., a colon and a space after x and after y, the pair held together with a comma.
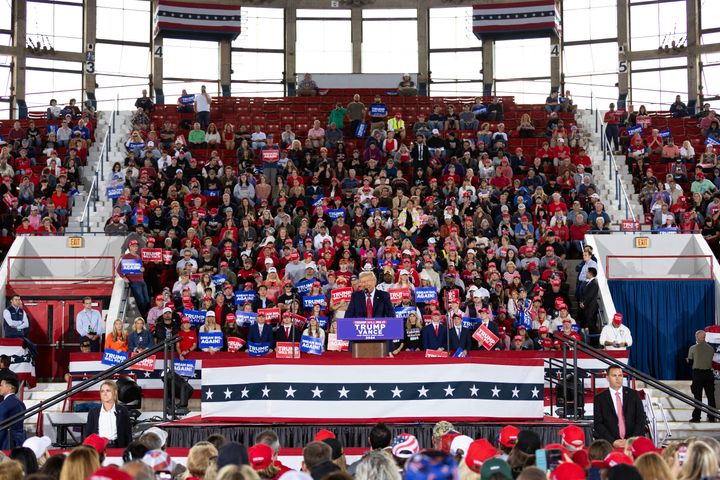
x: 367, y: 292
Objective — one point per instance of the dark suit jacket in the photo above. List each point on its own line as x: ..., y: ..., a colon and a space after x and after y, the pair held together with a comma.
x: 382, y: 306
x: 257, y: 303
x: 590, y: 294
x: 266, y: 337
x: 281, y: 336
x: 420, y: 160
x: 124, y: 427
x: 605, y: 420
x: 464, y: 341
x: 9, y: 407
x: 430, y: 341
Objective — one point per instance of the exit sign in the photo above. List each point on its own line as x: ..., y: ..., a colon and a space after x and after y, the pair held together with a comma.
x: 642, y: 242
x: 75, y: 242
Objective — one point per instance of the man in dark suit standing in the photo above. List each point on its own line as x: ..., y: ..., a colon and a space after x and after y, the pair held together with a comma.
x: 460, y: 337
x: 369, y: 302
x: 434, y: 334
x: 9, y: 407
x: 287, y: 332
x: 111, y: 420
x: 261, y: 332
x: 619, y: 412
x: 420, y: 153
x: 589, y: 303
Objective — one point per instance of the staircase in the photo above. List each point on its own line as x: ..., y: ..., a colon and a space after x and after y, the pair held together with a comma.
x: 103, y: 207
x: 678, y: 414
x: 601, y: 176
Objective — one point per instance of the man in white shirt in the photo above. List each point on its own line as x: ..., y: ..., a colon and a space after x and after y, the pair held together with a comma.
x: 87, y: 324
x: 202, y: 108
x: 615, y: 335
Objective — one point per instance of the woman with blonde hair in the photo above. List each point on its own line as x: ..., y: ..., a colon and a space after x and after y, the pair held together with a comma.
x: 237, y: 472
x: 201, y: 461
x: 11, y: 470
x: 700, y: 462
x: 652, y: 467
x: 80, y: 463
x: 117, y: 339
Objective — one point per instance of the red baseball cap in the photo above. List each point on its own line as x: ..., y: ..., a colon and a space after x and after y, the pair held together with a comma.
x: 643, y: 445
x: 508, y: 436
x: 568, y: 471
x: 573, y: 436
x: 478, y: 452
x: 323, y: 434
x: 617, y: 318
x: 616, y: 458
x: 97, y: 442
x: 260, y: 456
x: 109, y: 473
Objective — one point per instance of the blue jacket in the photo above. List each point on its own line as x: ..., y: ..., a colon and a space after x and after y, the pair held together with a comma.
x: 430, y: 341
x: 267, y: 336
x: 9, y: 407
x: 464, y: 342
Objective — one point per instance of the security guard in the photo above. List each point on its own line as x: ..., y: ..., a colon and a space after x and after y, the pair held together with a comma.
x: 700, y: 356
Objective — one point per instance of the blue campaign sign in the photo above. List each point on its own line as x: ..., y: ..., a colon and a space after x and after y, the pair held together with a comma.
x: 459, y: 353
x: 218, y: 280
x: 634, y: 130
x: 319, y: 201
x: 130, y: 265
x: 382, y: 262
x: 245, y: 319
x: 336, y: 213
x: 212, y: 193
x: 187, y: 99
x: 304, y: 287
x: 322, y: 322
x: 113, y: 357
x: 425, y: 294
x: 383, y: 210
x: 575, y: 328
x: 664, y: 133
x: 244, y: 296
x: 115, y: 192
x: 470, y: 322
x: 309, y: 301
x: 210, y: 340
x: 258, y: 349
x: 370, y: 329
x: 378, y: 110
x: 403, y: 312
x: 311, y: 345
x: 197, y: 317
x: 185, y: 368
x: 712, y: 141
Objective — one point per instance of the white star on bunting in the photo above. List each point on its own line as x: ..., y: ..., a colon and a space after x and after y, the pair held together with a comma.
x: 396, y: 393
x: 449, y: 391
x: 343, y: 392
x: 370, y: 392
x: 423, y: 392
x: 317, y: 393
x: 208, y: 394
x: 290, y: 392
x: 474, y: 391
x: 227, y: 393
x: 535, y: 392
x: 266, y: 392
x: 245, y: 392
x: 495, y: 392
x: 515, y: 392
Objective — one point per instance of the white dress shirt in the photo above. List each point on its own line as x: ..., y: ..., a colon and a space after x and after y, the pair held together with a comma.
x: 613, y: 396
x: 107, y: 423
x: 614, y: 334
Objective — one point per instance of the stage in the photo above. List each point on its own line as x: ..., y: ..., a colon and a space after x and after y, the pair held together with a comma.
x: 193, y: 429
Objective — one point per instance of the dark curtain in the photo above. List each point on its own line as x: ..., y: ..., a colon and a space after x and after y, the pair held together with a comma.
x: 663, y: 316
x: 297, y: 436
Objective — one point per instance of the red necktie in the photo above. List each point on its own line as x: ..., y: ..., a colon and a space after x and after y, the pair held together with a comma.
x: 287, y: 332
x: 437, y: 327
x: 368, y: 306
x: 620, y: 414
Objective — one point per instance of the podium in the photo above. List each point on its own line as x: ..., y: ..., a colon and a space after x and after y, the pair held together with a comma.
x: 370, y: 337
x: 370, y: 349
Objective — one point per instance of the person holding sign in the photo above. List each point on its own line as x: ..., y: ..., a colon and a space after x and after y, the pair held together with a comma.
x: 261, y: 333
x: 131, y: 271
x: 209, y: 326
x: 378, y: 114
x: 117, y: 339
x: 434, y: 334
x: 188, y: 339
x: 313, y: 330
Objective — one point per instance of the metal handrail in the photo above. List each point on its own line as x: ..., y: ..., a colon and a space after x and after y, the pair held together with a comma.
x: 99, y: 377
x: 620, y: 192
x: 579, y: 345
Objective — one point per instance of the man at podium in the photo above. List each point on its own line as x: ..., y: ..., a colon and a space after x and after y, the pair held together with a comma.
x: 369, y: 302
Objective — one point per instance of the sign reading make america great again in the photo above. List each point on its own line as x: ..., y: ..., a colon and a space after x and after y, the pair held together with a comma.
x: 370, y: 329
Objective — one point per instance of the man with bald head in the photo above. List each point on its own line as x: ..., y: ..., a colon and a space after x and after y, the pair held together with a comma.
x: 700, y: 357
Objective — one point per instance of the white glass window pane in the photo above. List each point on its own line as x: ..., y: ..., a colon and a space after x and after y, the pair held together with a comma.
x: 390, y: 13
x: 259, y: 67
x: 452, y: 28
x: 455, y: 66
x: 125, y: 89
x: 257, y: 90
x: 522, y: 58
x: 590, y: 59
x: 59, y: 26
x: 657, y: 90
x: 710, y: 14
x: 464, y: 89
x: 525, y: 91
x: 323, y: 46
x: 122, y: 59
x: 319, y: 13
x: 583, y: 19
x: 653, y: 25
x: 261, y: 28
x: 711, y: 82
x: 42, y: 86
x: 376, y: 55
x: 190, y: 59
x: 127, y: 20
x: 5, y: 18
x: 592, y: 90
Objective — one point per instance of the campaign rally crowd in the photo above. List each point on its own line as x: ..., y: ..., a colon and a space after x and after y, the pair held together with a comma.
x: 514, y: 454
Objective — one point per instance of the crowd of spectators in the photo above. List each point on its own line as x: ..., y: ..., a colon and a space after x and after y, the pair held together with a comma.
x: 488, y: 231
x: 40, y: 167
x: 514, y: 454
x: 673, y: 162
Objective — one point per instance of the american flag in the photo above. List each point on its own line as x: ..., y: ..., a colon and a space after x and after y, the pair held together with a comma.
x: 20, y: 360
x: 516, y: 19
x: 196, y: 20
x: 370, y: 390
